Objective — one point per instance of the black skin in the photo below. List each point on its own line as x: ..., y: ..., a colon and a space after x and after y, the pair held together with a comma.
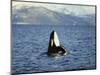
x: 53, y: 49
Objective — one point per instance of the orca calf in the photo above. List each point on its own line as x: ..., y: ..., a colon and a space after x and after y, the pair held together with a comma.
x: 55, y: 48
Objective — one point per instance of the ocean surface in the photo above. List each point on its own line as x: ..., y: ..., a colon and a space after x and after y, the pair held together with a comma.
x: 30, y: 46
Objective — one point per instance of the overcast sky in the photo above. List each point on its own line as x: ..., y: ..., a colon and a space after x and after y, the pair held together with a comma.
x: 74, y: 9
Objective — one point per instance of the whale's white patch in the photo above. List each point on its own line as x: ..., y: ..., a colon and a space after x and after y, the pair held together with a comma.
x: 56, y: 40
x: 51, y: 42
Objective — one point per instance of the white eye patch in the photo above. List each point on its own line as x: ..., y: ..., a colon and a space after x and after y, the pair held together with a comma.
x: 56, y: 40
x: 51, y: 42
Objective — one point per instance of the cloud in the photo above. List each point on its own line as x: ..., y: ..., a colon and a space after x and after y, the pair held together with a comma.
x: 67, y: 9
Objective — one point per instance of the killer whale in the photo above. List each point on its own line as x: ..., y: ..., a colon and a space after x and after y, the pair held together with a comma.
x: 55, y: 48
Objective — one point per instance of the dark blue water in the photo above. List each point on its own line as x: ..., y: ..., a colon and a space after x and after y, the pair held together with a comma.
x: 30, y: 45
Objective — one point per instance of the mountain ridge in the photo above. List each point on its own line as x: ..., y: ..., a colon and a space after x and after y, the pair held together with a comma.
x: 43, y: 16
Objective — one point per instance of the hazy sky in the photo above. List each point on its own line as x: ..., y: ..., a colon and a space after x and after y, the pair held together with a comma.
x: 73, y: 9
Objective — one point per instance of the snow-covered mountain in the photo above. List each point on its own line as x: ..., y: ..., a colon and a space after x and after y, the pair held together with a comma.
x: 45, y: 16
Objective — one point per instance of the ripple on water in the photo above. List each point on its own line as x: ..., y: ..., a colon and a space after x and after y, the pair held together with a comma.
x: 29, y: 49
